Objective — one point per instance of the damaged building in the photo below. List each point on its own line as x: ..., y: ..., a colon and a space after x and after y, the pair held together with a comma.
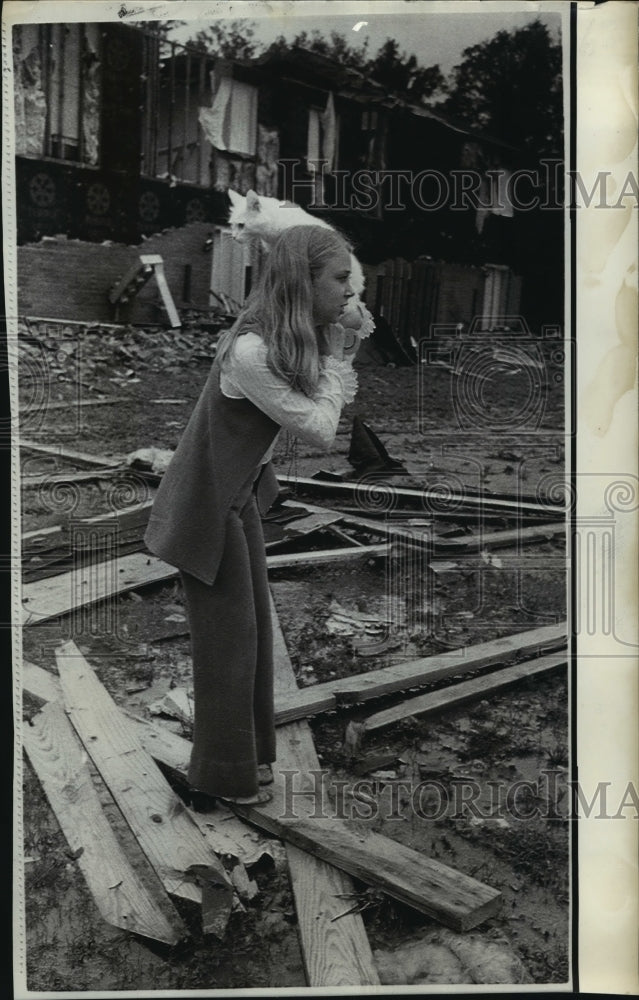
x: 126, y: 143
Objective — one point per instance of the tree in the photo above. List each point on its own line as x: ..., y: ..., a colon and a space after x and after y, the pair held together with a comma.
x: 228, y: 39
x: 335, y: 47
x: 511, y: 87
x: 398, y: 72
x: 401, y: 74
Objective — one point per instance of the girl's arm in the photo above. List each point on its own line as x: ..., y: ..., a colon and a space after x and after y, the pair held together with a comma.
x: 314, y: 420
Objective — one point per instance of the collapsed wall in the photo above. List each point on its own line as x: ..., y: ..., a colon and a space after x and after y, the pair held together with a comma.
x: 60, y: 278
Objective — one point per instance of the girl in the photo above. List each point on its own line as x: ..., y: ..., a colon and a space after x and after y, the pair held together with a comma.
x: 282, y: 364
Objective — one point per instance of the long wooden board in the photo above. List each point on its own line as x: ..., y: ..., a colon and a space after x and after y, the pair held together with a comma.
x: 293, y: 704
x: 121, y: 897
x: 80, y: 457
x: 502, y: 539
x: 454, y: 899
x: 167, y: 835
x: 65, y: 592
x: 459, y: 694
x: 336, y: 952
x: 135, y: 516
x: 423, y: 535
x: 468, y: 500
x: 72, y: 404
x: 87, y: 475
x: 57, y: 595
x: 224, y: 832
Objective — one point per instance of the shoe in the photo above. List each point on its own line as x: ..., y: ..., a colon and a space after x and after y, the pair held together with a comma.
x: 259, y: 799
x: 264, y: 774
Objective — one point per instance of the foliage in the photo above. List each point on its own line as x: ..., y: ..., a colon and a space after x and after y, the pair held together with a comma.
x: 228, y: 39
x: 401, y: 74
x: 511, y: 88
x: 395, y: 70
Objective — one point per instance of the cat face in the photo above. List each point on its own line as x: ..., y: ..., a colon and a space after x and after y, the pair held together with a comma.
x: 258, y: 217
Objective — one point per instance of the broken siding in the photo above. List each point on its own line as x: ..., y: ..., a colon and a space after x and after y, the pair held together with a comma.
x: 57, y: 91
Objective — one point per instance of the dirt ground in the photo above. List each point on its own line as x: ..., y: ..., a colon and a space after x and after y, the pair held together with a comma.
x: 496, y: 426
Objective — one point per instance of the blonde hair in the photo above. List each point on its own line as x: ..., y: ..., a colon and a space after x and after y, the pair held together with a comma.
x: 280, y: 308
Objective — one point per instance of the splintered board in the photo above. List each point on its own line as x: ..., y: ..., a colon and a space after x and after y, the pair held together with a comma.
x: 166, y: 833
x: 121, y: 897
x: 336, y: 952
x: 224, y: 832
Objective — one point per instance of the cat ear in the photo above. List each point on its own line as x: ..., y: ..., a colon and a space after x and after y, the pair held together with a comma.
x: 252, y: 201
x: 237, y: 200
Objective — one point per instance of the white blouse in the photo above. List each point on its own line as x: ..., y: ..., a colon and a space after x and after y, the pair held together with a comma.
x: 246, y: 375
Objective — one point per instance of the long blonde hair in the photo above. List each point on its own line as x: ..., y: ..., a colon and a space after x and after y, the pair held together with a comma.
x: 280, y: 308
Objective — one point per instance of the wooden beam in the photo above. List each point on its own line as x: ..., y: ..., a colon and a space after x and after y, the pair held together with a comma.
x: 327, y: 556
x: 65, y: 404
x: 336, y: 953
x: 136, y: 516
x: 295, y: 704
x: 121, y: 897
x: 446, y: 895
x: 417, y: 497
x: 80, y: 457
x: 57, y: 595
x: 436, y: 702
x: 424, y: 535
x: 170, y: 839
x: 501, y: 539
x: 85, y: 476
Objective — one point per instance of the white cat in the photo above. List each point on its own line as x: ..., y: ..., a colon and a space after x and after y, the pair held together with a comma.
x: 258, y: 217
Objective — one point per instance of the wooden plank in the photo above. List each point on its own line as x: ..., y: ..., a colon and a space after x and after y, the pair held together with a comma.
x: 317, y: 519
x: 136, y: 516
x: 40, y: 684
x: 57, y: 595
x: 378, y: 527
x: 336, y: 952
x: 66, y: 404
x: 121, y: 897
x: 80, y: 457
x: 166, y: 833
x: 501, y: 539
x: 423, y: 535
x: 224, y: 832
x: 458, y: 694
x: 293, y: 704
x: 454, y: 899
x: 86, y: 476
x: 324, y: 556
x: 178, y: 704
x: 478, y: 502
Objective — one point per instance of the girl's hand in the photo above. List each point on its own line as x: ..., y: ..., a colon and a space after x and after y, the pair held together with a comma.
x: 334, y: 341
x: 352, y: 343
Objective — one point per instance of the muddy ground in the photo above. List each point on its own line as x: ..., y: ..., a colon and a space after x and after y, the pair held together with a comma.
x: 490, y: 420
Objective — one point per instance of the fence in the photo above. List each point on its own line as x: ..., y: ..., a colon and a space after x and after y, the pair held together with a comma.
x: 412, y: 296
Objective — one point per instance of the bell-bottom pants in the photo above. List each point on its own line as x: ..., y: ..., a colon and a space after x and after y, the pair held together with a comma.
x: 232, y: 650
